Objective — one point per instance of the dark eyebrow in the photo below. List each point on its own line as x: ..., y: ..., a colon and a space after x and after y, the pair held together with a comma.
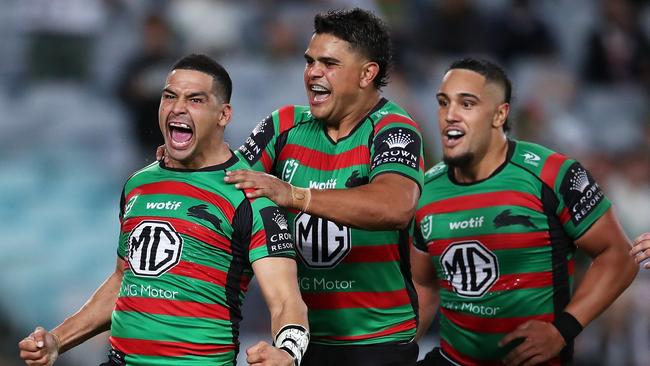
x: 191, y: 95
x: 169, y: 91
x: 323, y: 59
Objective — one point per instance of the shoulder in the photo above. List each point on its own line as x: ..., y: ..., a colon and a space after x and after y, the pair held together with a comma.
x: 435, y: 172
x: 540, y: 161
x: 391, y: 115
x: 143, y: 174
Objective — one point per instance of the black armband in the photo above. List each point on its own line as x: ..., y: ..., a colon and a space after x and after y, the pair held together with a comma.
x: 568, y: 326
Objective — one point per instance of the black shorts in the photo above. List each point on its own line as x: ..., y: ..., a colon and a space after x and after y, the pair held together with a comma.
x: 115, y: 358
x: 386, y: 354
x: 436, y: 358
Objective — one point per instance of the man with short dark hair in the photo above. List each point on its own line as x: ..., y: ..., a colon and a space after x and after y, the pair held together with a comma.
x: 496, y: 230
x: 348, y: 168
x: 189, y: 246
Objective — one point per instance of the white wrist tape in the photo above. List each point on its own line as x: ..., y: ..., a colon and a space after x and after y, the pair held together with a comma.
x: 293, y: 338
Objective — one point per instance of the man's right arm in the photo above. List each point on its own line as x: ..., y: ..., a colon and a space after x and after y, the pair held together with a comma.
x: 94, y: 317
x: 426, y: 285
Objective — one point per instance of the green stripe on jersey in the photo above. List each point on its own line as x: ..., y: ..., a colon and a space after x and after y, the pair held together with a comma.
x: 222, y: 359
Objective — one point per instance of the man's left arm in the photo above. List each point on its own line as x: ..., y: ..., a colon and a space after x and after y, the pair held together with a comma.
x: 611, y: 271
x: 277, y: 277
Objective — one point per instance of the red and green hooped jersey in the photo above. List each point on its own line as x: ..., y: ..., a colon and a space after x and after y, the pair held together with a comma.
x: 356, y: 283
x: 188, y: 240
x: 503, y: 247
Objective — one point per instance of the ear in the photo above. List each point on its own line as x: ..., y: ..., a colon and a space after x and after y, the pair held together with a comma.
x: 225, y: 115
x: 369, y: 71
x: 501, y: 115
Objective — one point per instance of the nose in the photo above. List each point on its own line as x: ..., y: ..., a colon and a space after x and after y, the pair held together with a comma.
x: 451, y: 113
x: 314, y: 70
x: 179, y: 106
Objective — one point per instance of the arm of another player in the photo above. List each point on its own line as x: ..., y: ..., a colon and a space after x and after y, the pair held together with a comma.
x: 611, y: 271
x: 426, y: 285
x: 43, y: 347
x: 641, y: 249
x: 278, y: 281
x: 387, y: 202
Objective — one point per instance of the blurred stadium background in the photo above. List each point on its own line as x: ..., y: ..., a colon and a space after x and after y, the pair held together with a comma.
x: 80, y: 82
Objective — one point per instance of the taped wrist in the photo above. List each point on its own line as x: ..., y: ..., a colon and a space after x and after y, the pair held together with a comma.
x: 300, y: 198
x: 294, y: 339
x: 568, y: 326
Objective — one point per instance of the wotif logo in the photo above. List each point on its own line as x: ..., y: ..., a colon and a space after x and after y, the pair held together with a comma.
x: 169, y: 205
x: 398, y: 139
x: 330, y: 184
x: 474, y: 222
x: 531, y: 158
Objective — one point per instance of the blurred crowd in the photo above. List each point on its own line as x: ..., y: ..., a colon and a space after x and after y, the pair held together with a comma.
x: 80, y: 85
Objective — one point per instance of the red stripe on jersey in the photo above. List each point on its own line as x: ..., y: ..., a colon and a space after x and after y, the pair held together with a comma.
x: 188, y: 190
x: 286, y: 118
x: 190, y: 309
x: 200, y: 272
x: 395, y: 118
x: 373, y: 253
x: 348, y: 300
x: 258, y: 239
x: 495, y: 241
x: 564, y: 216
x: 551, y: 167
x: 407, y: 325
x: 133, y: 346
x: 462, y: 359
x: 266, y: 161
x: 515, y: 281
x: 481, y: 200
x: 314, y: 159
x: 188, y: 228
x: 491, y: 325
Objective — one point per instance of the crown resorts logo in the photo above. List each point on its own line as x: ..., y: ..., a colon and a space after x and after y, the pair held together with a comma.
x: 399, y: 139
x: 280, y: 220
x: 259, y: 128
x: 580, y: 180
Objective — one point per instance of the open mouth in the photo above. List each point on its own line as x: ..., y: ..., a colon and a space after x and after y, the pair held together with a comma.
x: 181, y: 133
x: 320, y: 93
x: 453, y: 135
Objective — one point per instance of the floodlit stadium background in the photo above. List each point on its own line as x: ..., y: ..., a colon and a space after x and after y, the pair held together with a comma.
x: 581, y: 73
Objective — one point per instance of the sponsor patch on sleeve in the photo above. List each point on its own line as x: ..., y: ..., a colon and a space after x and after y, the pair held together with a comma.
x: 255, y: 144
x: 276, y: 225
x: 580, y: 192
x: 397, y: 145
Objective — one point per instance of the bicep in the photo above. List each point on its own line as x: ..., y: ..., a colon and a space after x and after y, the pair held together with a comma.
x: 399, y: 189
x: 606, y: 233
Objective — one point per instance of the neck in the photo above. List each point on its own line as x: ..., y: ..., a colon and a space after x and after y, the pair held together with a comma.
x: 484, y: 165
x: 206, y: 158
x: 343, y: 127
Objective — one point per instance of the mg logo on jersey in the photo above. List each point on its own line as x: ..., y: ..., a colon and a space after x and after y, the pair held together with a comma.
x: 289, y: 169
x: 470, y: 268
x: 426, y: 225
x: 154, y: 248
x: 321, y: 243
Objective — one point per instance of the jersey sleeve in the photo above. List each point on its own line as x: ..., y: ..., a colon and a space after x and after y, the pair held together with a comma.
x: 396, y: 147
x: 122, y: 245
x: 258, y: 151
x: 582, y: 201
x: 271, y: 236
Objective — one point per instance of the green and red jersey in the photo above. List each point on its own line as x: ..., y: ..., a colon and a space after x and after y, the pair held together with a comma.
x: 503, y: 247
x: 188, y: 240
x: 356, y: 283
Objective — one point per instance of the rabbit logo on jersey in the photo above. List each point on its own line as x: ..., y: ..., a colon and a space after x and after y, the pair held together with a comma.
x: 154, y: 248
x: 321, y: 243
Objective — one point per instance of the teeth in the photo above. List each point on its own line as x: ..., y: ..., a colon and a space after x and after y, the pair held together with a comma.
x: 318, y: 88
x: 180, y: 125
x: 455, y: 133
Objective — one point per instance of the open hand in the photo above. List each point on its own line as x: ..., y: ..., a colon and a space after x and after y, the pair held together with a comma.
x: 258, y: 184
